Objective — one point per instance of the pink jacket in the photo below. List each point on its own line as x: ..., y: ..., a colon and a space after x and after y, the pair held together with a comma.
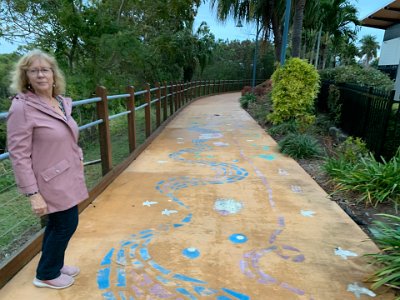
x: 44, y: 151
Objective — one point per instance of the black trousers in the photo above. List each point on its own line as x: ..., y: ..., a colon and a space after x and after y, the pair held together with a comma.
x: 60, y: 227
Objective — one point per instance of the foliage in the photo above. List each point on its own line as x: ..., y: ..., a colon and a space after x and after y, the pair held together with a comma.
x: 300, y: 146
x: 387, y: 236
x: 246, y: 90
x: 347, y: 155
x: 330, y: 25
x: 284, y: 128
x: 353, y: 149
x: 233, y: 60
x: 295, y: 86
x: 334, y: 107
x: 246, y: 99
x: 369, y: 48
x: 358, y: 75
x: 377, y: 182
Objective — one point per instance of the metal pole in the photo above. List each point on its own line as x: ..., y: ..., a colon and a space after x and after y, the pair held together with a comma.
x: 255, y: 60
x: 285, y: 31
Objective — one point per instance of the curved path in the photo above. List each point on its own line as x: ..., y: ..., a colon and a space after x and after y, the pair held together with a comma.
x: 211, y: 210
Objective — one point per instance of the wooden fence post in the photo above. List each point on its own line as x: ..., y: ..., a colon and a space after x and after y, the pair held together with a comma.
x: 179, y: 91
x: 104, y: 130
x: 182, y: 85
x: 130, y: 106
x: 158, y: 105
x: 171, y: 99
x: 147, y: 111
x: 176, y: 98
x: 165, y: 101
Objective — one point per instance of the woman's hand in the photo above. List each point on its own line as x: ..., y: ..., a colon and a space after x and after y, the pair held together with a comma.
x: 39, y: 206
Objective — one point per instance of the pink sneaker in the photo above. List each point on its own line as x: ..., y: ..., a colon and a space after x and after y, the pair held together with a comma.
x: 61, y: 282
x: 70, y: 270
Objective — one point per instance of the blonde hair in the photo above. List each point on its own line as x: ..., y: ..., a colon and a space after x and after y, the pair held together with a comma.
x: 19, y: 81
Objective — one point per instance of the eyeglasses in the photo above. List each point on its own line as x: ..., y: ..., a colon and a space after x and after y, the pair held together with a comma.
x: 35, y: 72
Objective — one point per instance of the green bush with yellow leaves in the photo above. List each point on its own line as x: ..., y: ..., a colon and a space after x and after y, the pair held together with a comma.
x: 294, y: 89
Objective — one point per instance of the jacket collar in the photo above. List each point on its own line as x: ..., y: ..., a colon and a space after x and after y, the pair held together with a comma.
x: 40, y: 104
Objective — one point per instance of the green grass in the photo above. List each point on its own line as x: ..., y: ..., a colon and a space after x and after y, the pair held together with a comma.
x: 18, y: 223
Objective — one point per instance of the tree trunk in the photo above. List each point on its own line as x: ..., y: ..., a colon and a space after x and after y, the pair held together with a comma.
x: 318, y: 47
x: 298, y: 27
x: 276, y: 28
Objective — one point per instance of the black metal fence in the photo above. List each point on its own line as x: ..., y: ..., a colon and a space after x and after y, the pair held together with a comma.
x: 368, y: 113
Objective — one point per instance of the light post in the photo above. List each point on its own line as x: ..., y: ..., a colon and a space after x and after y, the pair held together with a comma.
x: 285, y: 31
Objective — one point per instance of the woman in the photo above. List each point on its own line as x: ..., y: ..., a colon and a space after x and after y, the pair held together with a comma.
x: 47, y: 161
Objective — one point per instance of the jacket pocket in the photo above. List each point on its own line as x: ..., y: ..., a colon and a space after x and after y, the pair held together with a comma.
x: 55, y: 170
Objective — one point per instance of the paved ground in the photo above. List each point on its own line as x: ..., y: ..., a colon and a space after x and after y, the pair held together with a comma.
x: 211, y: 210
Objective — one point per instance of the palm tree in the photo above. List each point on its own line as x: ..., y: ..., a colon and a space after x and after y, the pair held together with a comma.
x: 369, y: 48
x: 327, y: 21
x: 298, y: 27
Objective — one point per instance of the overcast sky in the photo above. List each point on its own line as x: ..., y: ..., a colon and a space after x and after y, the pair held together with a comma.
x: 229, y: 31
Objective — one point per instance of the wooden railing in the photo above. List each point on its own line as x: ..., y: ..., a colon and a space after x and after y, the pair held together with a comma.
x: 166, y: 100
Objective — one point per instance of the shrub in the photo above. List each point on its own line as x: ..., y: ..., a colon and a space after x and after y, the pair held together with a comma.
x: 283, y: 128
x: 295, y: 87
x: 246, y: 99
x: 300, y: 146
x: 334, y: 107
x: 259, y: 91
x: 359, y: 75
x: 246, y: 90
x: 352, y: 149
x: 348, y: 155
x: 387, y: 236
x: 259, y: 110
x: 375, y: 181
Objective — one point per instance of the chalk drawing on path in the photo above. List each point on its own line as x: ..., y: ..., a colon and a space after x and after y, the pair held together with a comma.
x: 359, y: 290
x: 307, y: 213
x: 227, y: 206
x: 296, y: 189
x: 191, y: 253
x: 344, y: 253
x: 238, y: 238
x: 148, y: 277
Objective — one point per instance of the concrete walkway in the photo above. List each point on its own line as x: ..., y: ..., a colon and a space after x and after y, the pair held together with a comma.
x: 211, y: 210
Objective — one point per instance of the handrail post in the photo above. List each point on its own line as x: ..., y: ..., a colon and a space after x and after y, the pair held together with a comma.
x: 171, y: 99
x: 184, y: 92
x: 147, y: 111
x: 191, y: 91
x: 130, y: 106
x: 214, y: 85
x: 179, y: 90
x: 165, y: 102
x: 158, y: 105
x: 104, y: 130
x: 176, y: 98
x: 181, y: 87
